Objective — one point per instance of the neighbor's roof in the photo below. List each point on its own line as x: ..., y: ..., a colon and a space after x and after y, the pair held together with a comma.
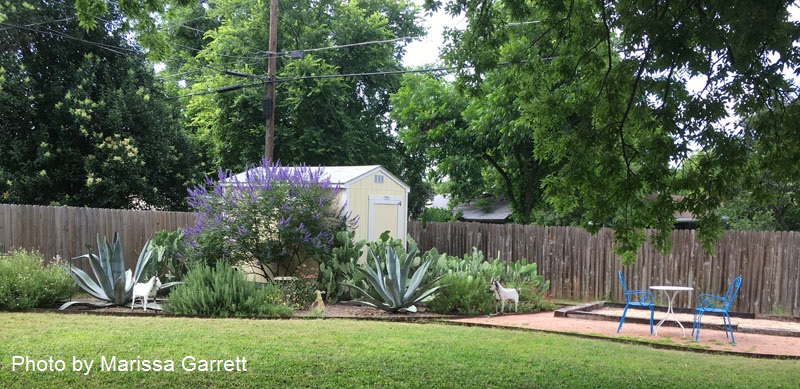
x: 439, y: 201
x: 338, y: 175
x: 499, y: 209
x: 499, y: 212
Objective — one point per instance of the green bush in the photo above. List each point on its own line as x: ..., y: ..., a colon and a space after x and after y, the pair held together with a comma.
x: 110, y: 283
x: 439, y: 215
x: 223, y: 291
x: 168, y: 261
x: 340, y: 268
x: 532, y: 298
x: 26, y: 283
x: 519, y: 275
x: 275, y: 219
x: 390, y: 283
x: 462, y: 294
x: 298, y: 293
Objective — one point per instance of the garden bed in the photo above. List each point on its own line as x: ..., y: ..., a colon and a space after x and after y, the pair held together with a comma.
x: 331, y: 311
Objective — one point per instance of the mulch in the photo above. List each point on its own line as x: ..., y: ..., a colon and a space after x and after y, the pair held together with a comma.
x: 331, y: 311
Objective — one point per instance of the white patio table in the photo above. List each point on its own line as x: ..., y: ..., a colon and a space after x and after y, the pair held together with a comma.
x: 671, y: 291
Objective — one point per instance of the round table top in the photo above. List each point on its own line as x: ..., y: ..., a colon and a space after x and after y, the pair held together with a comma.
x: 670, y: 287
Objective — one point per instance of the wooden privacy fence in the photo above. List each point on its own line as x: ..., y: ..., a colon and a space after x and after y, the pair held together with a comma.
x: 581, y: 266
x: 71, y: 231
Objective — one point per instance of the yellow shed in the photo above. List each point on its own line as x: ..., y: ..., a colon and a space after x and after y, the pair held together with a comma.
x: 371, y: 193
x: 375, y: 196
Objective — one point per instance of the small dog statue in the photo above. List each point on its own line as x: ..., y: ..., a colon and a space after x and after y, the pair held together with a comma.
x: 143, y: 290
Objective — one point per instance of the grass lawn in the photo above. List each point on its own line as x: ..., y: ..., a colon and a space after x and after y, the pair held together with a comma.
x: 349, y: 353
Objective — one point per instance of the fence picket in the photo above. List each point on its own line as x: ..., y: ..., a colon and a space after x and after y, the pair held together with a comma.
x: 581, y: 266
x: 70, y: 231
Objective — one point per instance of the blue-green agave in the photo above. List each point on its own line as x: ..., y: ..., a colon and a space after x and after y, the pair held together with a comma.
x: 112, y: 283
x: 394, y: 291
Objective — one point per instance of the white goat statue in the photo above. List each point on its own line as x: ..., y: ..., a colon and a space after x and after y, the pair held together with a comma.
x: 502, y: 294
x: 143, y: 290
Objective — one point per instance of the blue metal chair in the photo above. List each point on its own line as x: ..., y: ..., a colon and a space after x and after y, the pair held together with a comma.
x: 636, y: 298
x: 716, y: 304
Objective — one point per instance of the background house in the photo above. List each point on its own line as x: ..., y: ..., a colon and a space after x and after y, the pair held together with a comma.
x: 485, y: 209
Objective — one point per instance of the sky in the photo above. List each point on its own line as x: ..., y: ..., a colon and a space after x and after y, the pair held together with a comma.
x: 426, y: 51
x: 420, y: 52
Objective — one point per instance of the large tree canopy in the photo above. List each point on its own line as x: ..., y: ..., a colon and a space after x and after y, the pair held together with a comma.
x: 478, y: 143
x: 332, y: 89
x: 328, y: 112
x: 321, y: 116
x: 82, y: 119
x: 602, y: 92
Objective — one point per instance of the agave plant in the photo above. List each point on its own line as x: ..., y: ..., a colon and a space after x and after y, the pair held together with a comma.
x: 393, y: 291
x: 111, y: 283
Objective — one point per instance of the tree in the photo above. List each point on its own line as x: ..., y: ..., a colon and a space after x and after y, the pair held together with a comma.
x: 315, y: 104
x: 275, y: 219
x: 604, y: 90
x: 204, y: 44
x: 322, y: 116
x: 772, y: 207
x: 477, y: 142
x: 767, y: 198
x: 138, y: 17
x: 82, y: 120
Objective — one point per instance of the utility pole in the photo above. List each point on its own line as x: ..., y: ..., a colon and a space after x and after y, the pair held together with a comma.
x: 269, y: 101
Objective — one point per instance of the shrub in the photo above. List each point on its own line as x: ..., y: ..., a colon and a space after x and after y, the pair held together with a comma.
x: 532, y: 298
x: 26, y: 283
x: 112, y: 284
x: 519, y: 275
x: 298, y: 292
x: 462, y: 294
x: 275, y: 218
x: 340, y: 267
x: 222, y: 291
x: 390, y: 285
x: 169, y: 261
x: 439, y: 215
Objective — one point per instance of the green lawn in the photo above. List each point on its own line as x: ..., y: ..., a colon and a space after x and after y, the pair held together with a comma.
x: 347, y: 353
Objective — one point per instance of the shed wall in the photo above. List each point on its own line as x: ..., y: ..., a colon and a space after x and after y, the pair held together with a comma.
x: 357, y: 195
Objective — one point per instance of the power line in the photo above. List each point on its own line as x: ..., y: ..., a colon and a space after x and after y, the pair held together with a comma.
x: 258, y: 57
x: 523, y: 23
x: 355, y: 44
x: 261, y: 55
x: 38, y: 23
x: 116, y: 49
x: 223, y: 89
x: 216, y: 69
x: 321, y: 76
x: 383, y: 73
x: 366, y: 74
x: 395, y: 72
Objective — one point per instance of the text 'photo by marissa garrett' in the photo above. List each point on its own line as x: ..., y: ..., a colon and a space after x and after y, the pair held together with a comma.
x: 113, y: 363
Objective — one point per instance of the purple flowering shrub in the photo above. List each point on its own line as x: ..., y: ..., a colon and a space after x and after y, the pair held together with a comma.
x: 275, y: 218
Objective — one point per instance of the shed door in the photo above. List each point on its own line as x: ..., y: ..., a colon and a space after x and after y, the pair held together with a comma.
x: 385, y: 214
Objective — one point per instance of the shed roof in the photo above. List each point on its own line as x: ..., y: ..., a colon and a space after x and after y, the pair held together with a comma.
x: 338, y: 175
